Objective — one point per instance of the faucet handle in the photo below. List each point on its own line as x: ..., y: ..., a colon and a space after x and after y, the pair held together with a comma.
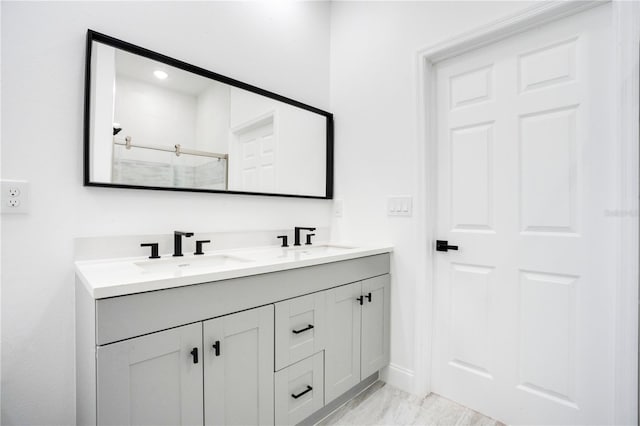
x: 199, y: 244
x: 308, y: 243
x: 284, y: 240
x: 154, y: 249
x: 182, y: 233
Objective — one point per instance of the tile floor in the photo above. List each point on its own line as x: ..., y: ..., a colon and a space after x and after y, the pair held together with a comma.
x: 381, y: 404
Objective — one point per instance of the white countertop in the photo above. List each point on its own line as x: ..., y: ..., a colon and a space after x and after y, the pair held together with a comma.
x: 121, y: 276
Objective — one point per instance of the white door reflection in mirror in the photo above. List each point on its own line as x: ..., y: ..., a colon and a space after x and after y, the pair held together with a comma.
x: 253, y: 150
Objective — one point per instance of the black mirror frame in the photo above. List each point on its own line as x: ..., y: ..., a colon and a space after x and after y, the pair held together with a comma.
x: 114, y: 42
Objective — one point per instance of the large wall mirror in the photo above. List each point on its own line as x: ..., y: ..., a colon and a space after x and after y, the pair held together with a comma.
x: 154, y: 122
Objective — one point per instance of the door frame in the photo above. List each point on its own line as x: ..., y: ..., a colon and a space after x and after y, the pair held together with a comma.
x: 626, y: 36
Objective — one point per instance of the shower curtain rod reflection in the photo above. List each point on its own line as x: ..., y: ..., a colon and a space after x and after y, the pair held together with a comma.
x: 177, y: 149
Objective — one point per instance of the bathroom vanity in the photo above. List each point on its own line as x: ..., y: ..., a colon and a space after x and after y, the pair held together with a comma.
x: 252, y: 336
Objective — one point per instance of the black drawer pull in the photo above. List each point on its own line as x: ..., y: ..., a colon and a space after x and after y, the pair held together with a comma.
x: 309, y: 327
x: 360, y: 299
x: 194, y: 354
x: 369, y: 297
x: 309, y: 389
x: 216, y: 347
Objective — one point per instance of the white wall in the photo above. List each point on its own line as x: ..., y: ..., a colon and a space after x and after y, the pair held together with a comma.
x: 374, y: 99
x: 42, y: 66
x: 0, y: 225
x: 212, y: 120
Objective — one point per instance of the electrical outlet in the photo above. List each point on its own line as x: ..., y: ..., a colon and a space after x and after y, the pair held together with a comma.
x: 14, y: 196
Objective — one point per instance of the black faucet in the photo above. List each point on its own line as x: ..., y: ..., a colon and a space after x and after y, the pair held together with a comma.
x: 199, y: 245
x: 154, y: 250
x: 297, y: 230
x: 284, y: 240
x: 177, y: 242
x: 308, y: 243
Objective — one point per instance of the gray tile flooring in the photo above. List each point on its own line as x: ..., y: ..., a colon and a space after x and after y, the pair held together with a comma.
x: 381, y: 404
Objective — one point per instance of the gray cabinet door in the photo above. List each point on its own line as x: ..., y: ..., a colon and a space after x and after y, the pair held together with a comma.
x: 375, y: 325
x: 151, y: 380
x: 342, y: 355
x: 300, y: 328
x: 238, y: 376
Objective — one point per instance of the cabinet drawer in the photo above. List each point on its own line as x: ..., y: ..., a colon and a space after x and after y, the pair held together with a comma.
x: 299, y: 390
x: 300, y: 328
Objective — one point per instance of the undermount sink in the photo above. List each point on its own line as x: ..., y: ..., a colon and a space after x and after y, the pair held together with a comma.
x: 319, y: 249
x: 215, y: 262
x: 187, y: 263
x: 298, y: 253
x: 305, y: 252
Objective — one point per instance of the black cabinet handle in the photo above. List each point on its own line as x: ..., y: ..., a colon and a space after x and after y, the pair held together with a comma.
x: 360, y: 299
x: 216, y: 347
x: 309, y: 389
x: 443, y: 245
x: 194, y: 354
x: 309, y: 327
x: 154, y: 249
x: 369, y: 297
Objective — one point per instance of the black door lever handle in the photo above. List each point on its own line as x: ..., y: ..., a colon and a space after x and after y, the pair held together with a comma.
x: 443, y: 245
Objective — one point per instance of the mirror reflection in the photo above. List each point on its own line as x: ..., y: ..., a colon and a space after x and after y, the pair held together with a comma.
x: 155, y: 125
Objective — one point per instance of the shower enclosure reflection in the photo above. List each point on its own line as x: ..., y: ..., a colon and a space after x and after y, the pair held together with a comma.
x: 142, y: 165
x: 155, y: 125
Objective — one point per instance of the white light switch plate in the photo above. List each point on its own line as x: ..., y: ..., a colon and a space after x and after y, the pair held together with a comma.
x: 14, y: 196
x: 400, y: 206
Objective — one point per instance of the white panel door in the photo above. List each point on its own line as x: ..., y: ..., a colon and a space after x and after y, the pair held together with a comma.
x: 375, y: 325
x: 342, y: 355
x: 252, y: 158
x: 152, y: 380
x: 524, y: 324
x: 238, y: 368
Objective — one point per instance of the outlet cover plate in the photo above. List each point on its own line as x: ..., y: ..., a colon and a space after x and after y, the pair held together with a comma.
x: 14, y: 196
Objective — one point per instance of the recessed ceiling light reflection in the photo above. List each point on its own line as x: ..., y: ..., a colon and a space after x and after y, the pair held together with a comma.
x: 160, y: 75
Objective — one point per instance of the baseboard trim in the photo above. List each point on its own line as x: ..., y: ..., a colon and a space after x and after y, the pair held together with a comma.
x: 399, y: 377
x: 340, y: 401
